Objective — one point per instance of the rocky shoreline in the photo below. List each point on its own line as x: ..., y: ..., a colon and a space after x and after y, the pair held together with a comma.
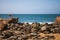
x: 11, y: 29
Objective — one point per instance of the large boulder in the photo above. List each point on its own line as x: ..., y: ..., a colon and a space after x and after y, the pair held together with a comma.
x: 3, y: 23
x: 58, y: 19
x: 1, y: 26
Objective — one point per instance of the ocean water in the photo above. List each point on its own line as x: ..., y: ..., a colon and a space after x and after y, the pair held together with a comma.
x: 43, y: 18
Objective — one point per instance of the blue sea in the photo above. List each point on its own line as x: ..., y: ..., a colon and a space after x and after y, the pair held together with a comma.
x: 32, y: 17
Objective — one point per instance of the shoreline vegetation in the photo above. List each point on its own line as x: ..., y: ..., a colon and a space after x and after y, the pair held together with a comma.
x: 11, y: 29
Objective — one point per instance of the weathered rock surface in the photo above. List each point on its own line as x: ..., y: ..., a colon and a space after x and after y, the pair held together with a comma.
x: 12, y: 30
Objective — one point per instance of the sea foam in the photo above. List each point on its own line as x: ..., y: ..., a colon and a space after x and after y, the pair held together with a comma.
x: 38, y: 22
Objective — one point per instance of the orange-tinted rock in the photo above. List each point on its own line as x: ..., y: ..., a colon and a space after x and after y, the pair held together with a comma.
x: 2, y: 24
x: 58, y: 19
x: 42, y: 34
x: 5, y: 22
x: 1, y: 19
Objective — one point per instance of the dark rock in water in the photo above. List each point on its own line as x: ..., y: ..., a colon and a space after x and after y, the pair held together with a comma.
x: 46, y: 23
x: 20, y: 23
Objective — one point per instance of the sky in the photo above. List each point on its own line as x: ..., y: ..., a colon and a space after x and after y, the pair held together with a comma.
x: 30, y: 6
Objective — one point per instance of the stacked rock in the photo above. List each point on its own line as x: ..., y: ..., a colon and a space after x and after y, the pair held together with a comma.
x: 12, y: 30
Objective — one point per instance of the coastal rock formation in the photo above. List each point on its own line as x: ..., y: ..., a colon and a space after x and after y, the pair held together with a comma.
x: 58, y: 19
x: 4, y: 22
x: 13, y: 20
x: 26, y: 31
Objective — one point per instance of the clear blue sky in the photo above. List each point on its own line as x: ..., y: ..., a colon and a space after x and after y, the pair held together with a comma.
x: 30, y: 6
